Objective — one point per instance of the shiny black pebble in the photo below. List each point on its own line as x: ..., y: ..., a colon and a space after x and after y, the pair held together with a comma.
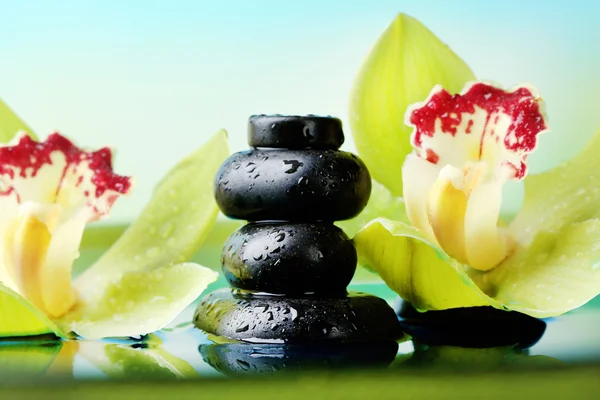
x: 249, y: 359
x: 277, y: 319
x: 475, y: 327
x: 292, y: 185
x: 289, y: 258
x: 295, y: 132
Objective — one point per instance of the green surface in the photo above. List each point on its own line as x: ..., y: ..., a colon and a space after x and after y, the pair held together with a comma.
x: 576, y: 383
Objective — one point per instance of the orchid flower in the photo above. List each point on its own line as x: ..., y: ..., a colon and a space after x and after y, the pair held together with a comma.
x: 449, y: 248
x: 49, y: 192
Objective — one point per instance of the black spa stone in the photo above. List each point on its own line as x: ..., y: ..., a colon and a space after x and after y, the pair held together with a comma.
x: 357, y: 317
x: 475, y: 327
x: 289, y: 258
x: 292, y: 185
x: 249, y: 359
x: 295, y: 132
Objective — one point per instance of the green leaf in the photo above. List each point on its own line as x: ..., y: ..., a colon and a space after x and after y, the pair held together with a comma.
x: 564, y: 195
x: 121, y: 361
x: 140, y: 302
x: 18, y: 317
x: 555, y: 274
x: 11, y: 124
x: 169, y: 230
x: 415, y: 269
x: 405, y: 64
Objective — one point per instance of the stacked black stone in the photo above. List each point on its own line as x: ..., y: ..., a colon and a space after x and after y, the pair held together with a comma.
x: 290, y: 265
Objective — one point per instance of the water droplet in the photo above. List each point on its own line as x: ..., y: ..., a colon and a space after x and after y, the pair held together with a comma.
x: 243, y: 328
x: 291, y: 166
x: 152, y: 252
x: 280, y: 237
x: 166, y: 230
x: 243, y: 364
x: 306, y: 133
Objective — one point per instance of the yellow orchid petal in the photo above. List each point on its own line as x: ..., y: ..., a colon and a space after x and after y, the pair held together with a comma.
x: 403, y: 66
x: 486, y: 243
x: 25, y: 245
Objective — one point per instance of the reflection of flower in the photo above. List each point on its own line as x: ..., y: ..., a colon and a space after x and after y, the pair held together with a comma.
x: 458, y: 253
x: 49, y: 191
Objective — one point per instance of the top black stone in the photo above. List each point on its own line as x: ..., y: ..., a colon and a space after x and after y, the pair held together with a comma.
x: 295, y: 132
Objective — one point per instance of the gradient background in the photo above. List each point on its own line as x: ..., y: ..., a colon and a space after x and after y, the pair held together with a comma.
x: 156, y: 78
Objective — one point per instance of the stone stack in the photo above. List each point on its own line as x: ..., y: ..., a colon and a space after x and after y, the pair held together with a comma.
x: 290, y: 265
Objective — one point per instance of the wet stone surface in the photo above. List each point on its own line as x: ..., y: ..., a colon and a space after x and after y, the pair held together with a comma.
x: 289, y: 258
x: 279, y: 319
x: 295, y: 132
x: 475, y: 327
x: 290, y: 266
x: 249, y: 359
x: 292, y: 185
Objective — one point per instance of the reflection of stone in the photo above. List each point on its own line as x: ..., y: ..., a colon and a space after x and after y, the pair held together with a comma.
x: 247, y: 358
x: 291, y: 188
x: 450, y: 358
x: 471, y: 327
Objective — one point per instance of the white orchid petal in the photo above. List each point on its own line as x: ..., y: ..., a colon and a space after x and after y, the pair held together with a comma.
x: 418, y: 176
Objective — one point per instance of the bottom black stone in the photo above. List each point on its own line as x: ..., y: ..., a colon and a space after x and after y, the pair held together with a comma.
x: 247, y: 359
x: 471, y: 327
x: 357, y: 317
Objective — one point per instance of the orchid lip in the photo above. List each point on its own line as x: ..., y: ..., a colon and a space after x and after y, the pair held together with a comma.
x: 49, y: 191
x: 474, y: 142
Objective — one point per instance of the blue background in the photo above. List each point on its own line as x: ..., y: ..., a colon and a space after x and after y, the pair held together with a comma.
x: 155, y: 79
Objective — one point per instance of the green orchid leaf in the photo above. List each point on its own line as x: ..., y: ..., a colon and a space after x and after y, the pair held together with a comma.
x: 382, y: 204
x: 415, y: 269
x: 169, y: 230
x: 26, y: 360
x: 120, y: 361
x: 11, y: 124
x: 555, y: 274
x: 18, y: 317
x: 140, y: 302
x: 567, y: 194
x: 405, y: 64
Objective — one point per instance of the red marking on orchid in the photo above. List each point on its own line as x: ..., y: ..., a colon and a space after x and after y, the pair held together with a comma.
x: 520, y: 105
x: 28, y: 156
